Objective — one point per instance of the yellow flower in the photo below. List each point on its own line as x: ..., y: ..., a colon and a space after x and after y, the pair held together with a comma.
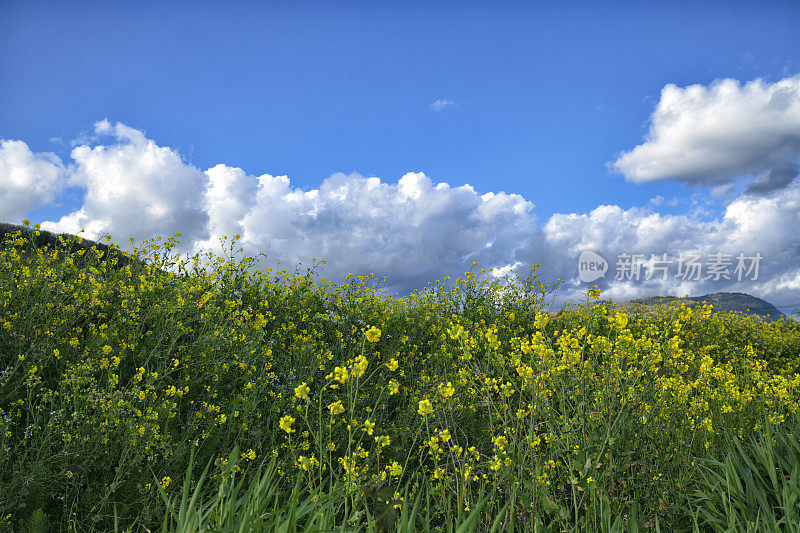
x: 595, y: 293
x: 165, y: 481
x: 392, y: 365
x: 458, y: 332
x: 336, y: 408
x: 446, y: 390
x: 395, y: 469
x: 373, y: 334
x: 360, y: 366
x: 340, y: 374
x: 425, y: 408
x: 491, y: 338
x: 286, y: 424
x: 394, y: 386
x: 369, y: 426
x: 301, y: 391
x: 444, y: 435
x: 107, y: 349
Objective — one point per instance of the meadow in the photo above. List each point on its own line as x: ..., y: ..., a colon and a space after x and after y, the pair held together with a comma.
x: 214, y: 394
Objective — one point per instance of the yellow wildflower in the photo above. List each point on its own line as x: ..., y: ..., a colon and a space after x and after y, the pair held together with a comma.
x: 360, y: 366
x: 286, y: 424
x: 446, y: 390
x: 301, y: 391
x: 373, y: 334
x: 425, y: 408
x: 336, y: 408
x: 369, y: 426
x: 340, y: 374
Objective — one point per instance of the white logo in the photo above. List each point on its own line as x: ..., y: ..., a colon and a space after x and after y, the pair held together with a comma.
x: 591, y: 266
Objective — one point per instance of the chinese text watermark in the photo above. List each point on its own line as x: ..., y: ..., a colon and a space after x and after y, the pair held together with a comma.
x: 686, y: 266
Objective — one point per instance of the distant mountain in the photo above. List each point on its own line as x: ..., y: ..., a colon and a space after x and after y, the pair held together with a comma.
x: 722, y: 301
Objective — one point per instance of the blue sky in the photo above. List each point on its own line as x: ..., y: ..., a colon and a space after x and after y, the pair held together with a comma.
x: 537, y: 99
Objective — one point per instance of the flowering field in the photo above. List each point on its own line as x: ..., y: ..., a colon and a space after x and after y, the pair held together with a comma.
x: 162, y: 395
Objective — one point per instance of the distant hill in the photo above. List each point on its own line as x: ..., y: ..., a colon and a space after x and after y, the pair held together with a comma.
x: 51, y: 240
x: 722, y: 301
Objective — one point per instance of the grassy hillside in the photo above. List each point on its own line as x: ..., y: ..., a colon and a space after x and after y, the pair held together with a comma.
x: 65, y: 243
x: 733, y: 302
x: 285, y: 400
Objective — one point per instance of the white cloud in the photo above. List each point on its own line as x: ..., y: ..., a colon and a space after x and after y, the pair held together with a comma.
x: 27, y: 180
x: 135, y: 188
x: 441, y: 103
x: 412, y: 231
x: 750, y: 225
x: 719, y: 134
x: 228, y: 198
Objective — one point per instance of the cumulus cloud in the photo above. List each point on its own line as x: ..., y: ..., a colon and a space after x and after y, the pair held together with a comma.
x: 412, y: 231
x: 135, y: 188
x: 229, y: 196
x: 441, y: 103
x: 719, y: 134
x: 27, y: 180
x: 750, y: 225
